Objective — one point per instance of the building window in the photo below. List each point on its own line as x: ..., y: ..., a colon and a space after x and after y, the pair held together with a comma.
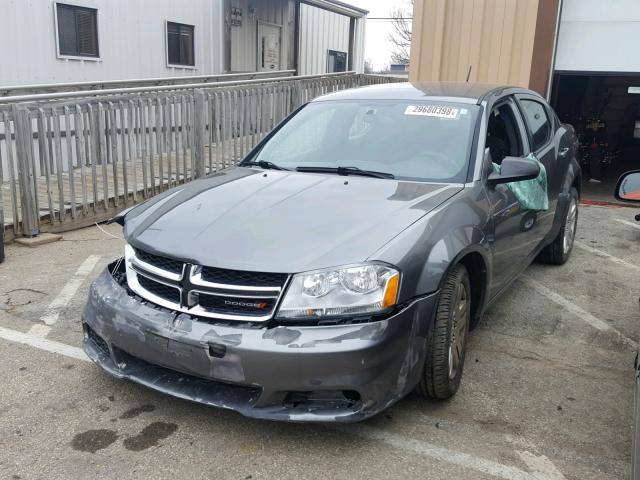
x: 180, y: 44
x: 77, y: 30
x: 337, y: 61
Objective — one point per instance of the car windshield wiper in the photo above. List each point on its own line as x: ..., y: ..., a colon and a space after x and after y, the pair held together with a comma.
x: 346, y: 171
x: 264, y: 164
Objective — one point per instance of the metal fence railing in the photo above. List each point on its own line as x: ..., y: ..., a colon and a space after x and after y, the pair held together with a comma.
x: 69, y: 160
x: 13, y: 90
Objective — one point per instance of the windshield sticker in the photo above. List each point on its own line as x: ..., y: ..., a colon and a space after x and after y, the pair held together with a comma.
x: 439, y: 111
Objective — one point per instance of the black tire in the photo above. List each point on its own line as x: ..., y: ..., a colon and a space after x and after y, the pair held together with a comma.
x: 442, y: 371
x: 555, y: 253
x: 1, y: 245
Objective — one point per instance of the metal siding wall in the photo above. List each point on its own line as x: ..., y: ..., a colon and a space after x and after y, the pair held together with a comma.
x: 494, y: 37
x: 358, y: 53
x: 321, y: 31
x: 244, y: 38
x: 131, y: 40
x: 599, y: 36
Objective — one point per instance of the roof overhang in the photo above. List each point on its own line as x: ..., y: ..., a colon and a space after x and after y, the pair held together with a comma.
x: 338, y: 7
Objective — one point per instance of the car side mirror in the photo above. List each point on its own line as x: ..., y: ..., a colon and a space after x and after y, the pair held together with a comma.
x: 628, y: 187
x: 515, y: 169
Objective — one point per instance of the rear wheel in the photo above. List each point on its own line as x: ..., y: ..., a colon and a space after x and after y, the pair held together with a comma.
x: 558, y: 251
x: 447, y: 339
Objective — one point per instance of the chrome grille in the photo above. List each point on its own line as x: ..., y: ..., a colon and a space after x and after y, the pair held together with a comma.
x: 235, y: 277
x: 171, y: 294
x: 168, y: 264
x: 203, y: 291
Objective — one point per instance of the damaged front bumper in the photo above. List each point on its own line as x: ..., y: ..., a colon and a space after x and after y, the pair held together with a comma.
x: 303, y: 373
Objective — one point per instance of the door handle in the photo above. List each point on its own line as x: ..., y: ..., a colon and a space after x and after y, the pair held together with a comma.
x: 563, y: 152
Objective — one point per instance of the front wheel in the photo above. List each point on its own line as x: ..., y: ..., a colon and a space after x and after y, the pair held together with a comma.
x: 558, y: 251
x: 447, y: 339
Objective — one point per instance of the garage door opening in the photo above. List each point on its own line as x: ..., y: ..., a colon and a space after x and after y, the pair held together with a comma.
x: 605, y: 111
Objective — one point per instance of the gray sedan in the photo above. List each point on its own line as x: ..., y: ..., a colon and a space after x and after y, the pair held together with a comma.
x: 343, y: 263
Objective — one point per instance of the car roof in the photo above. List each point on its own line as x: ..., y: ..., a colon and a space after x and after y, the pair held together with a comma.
x: 463, y: 92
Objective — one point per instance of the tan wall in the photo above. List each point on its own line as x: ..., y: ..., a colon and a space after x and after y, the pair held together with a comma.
x: 494, y: 37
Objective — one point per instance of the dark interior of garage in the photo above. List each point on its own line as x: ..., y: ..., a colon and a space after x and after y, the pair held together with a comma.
x: 605, y: 112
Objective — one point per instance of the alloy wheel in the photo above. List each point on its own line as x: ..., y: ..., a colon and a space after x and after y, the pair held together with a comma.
x: 570, y: 226
x: 459, y: 327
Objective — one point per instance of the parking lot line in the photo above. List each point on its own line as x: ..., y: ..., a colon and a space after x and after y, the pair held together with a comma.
x: 68, y: 291
x: 576, y: 310
x: 37, y: 341
x: 40, y: 329
x: 606, y: 255
x: 541, y: 467
x: 628, y: 223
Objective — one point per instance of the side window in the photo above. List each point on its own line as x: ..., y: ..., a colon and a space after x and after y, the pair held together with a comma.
x: 77, y: 30
x: 180, y: 44
x: 539, y: 125
x: 503, y: 134
x: 337, y: 61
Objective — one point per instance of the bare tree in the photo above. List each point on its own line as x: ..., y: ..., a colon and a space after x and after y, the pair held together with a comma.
x: 400, y: 36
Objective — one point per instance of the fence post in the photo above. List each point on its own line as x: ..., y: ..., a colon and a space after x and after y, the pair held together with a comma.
x: 199, y: 133
x: 24, y: 137
x: 296, y: 97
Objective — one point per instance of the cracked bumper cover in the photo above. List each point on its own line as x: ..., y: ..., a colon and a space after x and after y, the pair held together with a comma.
x: 252, y: 369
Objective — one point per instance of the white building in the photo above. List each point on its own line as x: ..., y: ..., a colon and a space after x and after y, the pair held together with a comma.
x: 50, y: 41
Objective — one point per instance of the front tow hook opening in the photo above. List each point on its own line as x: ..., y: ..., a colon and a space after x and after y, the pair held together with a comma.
x: 322, y: 399
x: 217, y: 350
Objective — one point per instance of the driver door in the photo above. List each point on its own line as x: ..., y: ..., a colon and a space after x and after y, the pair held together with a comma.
x: 511, y: 228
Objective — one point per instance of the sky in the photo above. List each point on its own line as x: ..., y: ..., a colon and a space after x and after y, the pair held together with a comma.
x: 377, y: 46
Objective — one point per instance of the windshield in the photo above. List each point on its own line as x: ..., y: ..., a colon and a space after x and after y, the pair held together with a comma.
x: 428, y: 141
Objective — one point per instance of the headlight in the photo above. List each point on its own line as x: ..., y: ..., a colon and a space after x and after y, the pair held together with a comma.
x: 335, y: 292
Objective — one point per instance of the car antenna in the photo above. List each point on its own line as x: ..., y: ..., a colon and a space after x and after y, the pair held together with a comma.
x: 469, y: 73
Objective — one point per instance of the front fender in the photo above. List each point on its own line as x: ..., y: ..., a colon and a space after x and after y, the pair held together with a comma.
x: 448, y: 252
x: 426, y: 250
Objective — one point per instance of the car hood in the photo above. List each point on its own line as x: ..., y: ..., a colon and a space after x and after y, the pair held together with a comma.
x: 280, y: 221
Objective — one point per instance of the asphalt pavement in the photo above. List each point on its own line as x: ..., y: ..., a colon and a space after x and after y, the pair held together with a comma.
x: 547, y: 391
